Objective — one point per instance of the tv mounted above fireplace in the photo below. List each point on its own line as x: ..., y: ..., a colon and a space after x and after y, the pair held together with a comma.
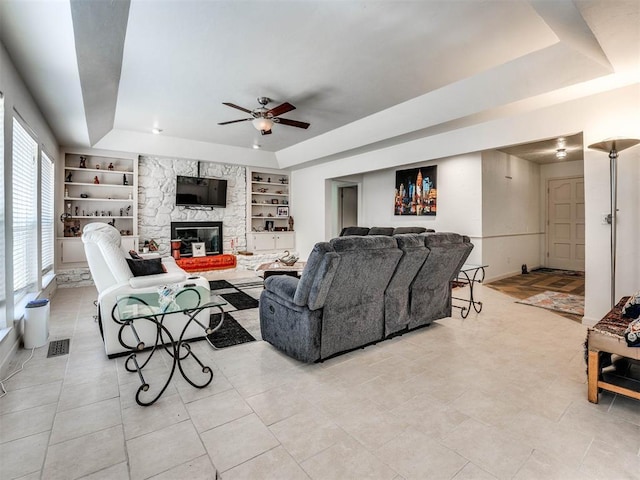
x: 201, y: 192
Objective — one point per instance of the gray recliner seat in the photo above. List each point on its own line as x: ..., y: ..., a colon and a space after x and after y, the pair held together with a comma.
x: 397, y: 297
x: 431, y: 290
x: 338, y: 303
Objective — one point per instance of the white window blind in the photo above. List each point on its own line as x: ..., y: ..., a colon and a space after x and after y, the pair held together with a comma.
x: 46, y: 215
x: 25, y: 214
x: 3, y: 268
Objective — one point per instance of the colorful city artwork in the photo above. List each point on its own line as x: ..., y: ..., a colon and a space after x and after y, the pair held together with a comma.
x: 416, y: 192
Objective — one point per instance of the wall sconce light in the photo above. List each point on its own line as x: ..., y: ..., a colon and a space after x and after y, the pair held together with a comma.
x: 561, y: 153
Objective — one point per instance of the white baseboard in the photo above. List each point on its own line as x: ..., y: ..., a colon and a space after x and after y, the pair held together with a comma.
x: 589, y: 322
x: 8, y: 348
x: 506, y: 275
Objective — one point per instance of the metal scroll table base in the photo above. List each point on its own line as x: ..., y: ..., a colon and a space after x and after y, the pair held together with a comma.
x: 469, y: 275
x: 179, y: 350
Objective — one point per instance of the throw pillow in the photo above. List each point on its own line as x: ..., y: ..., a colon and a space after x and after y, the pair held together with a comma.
x: 142, y: 267
x: 631, y: 309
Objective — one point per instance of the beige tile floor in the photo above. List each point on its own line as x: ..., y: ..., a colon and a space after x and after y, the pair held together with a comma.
x: 498, y: 395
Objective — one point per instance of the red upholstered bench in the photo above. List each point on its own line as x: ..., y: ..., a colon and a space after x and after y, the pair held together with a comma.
x: 608, y: 336
x: 210, y: 262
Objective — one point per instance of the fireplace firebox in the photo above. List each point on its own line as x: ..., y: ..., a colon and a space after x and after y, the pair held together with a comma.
x: 209, y: 233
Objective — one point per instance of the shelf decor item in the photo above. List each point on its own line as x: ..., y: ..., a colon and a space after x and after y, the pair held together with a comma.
x: 198, y: 250
x: 283, y: 211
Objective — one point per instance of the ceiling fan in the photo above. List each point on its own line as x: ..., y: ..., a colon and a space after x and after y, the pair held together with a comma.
x: 263, y: 118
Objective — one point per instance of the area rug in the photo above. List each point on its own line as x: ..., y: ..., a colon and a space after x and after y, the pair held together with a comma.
x: 241, y: 295
x: 239, y: 299
x: 230, y: 333
x: 556, y: 301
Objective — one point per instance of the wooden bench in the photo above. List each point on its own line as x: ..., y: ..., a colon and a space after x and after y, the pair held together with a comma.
x: 607, y: 336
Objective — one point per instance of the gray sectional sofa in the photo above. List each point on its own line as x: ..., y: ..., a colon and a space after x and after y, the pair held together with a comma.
x: 361, y: 231
x: 358, y: 290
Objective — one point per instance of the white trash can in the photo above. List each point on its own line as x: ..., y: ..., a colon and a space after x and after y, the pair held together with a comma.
x: 36, y: 323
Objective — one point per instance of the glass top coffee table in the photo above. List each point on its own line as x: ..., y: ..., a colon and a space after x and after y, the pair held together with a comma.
x: 152, y: 307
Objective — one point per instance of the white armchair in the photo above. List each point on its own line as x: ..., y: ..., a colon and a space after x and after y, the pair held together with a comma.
x: 112, y: 277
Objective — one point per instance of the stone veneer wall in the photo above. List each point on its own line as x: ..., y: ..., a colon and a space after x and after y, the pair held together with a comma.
x: 157, y: 197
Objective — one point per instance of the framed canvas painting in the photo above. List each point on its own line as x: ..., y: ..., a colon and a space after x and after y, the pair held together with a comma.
x: 416, y: 191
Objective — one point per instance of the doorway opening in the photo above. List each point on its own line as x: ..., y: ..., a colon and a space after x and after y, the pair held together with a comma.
x: 347, y: 206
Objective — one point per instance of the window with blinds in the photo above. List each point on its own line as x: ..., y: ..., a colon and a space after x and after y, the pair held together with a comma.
x: 3, y: 268
x: 25, y: 213
x: 46, y: 212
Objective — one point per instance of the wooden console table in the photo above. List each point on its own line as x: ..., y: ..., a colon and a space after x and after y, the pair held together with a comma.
x: 607, y: 336
x: 210, y: 262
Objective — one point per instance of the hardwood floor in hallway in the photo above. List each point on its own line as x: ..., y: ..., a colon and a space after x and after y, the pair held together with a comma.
x: 540, y: 280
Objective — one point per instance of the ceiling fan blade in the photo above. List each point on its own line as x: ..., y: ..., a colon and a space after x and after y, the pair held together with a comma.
x: 281, y: 109
x: 236, y: 121
x: 265, y: 132
x: 233, y: 105
x: 292, y: 123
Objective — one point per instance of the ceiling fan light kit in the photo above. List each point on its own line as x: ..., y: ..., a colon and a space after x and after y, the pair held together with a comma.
x: 262, y: 124
x: 263, y: 118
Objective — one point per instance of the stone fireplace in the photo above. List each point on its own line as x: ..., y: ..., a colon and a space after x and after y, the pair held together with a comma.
x: 209, y: 233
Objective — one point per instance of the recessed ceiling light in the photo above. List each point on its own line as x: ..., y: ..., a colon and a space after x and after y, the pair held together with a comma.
x: 256, y: 146
x: 156, y: 131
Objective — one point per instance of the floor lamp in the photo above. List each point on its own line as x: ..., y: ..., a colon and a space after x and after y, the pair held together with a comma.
x: 612, y: 146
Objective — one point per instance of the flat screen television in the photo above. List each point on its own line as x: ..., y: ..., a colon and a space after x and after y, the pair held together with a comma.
x: 199, y: 191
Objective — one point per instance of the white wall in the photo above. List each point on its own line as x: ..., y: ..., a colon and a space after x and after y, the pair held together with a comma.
x: 459, y: 207
x: 459, y: 193
x: 600, y: 116
x: 510, y: 214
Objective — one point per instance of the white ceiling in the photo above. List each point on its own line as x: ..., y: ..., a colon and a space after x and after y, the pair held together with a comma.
x: 364, y: 74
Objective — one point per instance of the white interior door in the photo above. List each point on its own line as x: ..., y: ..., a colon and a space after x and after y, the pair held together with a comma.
x: 565, y: 223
